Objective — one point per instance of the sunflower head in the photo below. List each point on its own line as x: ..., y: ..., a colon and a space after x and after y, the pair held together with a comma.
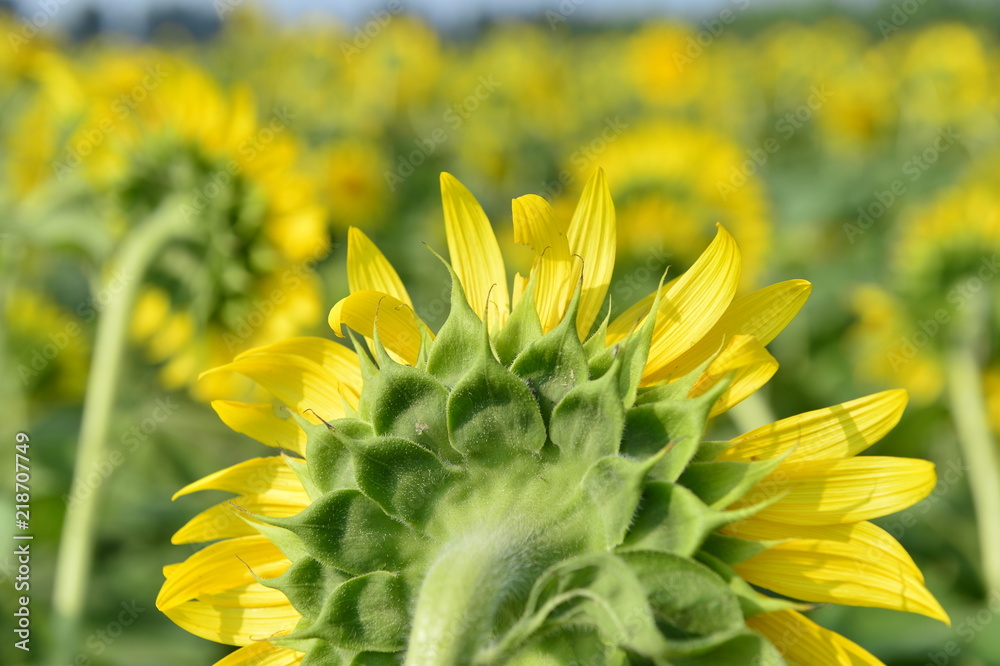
x: 517, y: 489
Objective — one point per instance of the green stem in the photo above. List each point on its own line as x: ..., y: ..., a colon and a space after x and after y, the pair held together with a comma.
x: 126, y: 270
x: 460, y: 597
x: 968, y: 409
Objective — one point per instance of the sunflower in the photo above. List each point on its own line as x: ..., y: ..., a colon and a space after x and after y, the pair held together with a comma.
x: 517, y: 489
x: 158, y: 132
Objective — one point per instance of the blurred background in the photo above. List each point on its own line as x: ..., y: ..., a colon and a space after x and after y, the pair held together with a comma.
x: 856, y: 145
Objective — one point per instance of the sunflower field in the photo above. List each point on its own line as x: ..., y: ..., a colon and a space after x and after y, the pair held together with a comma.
x: 545, y: 340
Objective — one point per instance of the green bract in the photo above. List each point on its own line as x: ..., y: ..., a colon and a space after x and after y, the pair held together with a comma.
x: 519, y: 499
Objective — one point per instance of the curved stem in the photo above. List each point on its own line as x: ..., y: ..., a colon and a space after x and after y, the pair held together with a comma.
x: 121, y: 282
x: 460, y: 597
x: 968, y: 409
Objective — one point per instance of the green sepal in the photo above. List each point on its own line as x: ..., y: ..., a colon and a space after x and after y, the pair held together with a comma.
x: 743, y: 648
x: 587, y: 423
x: 521, y: 328
x: 635, y: 351
x: 411, y: 403
x: 491, y: 413
x: 675, y: 390
x: 369, y: 375
x: 307, y: 584
x: 732, y: 550
x: 567, y: 645
x: 378, y: 659
x: 614, y: 485
x: 722, y: 482
x: 301, y: 469
x: 751, y: 601
x: 596, y: 344
x: 649, y: 427
x: 287, y: 542
x: 366, y: 613
x: 328, y: 452
x: 709, y: 451
x: 671, y: 519
x: 347, y: 530
x: 694, y: 607
x: 598, y: 590
x: 426, y: 342
x: 401, y: 476
x: 554, y: 363
x: 458, y: 339
x: 321, y: 654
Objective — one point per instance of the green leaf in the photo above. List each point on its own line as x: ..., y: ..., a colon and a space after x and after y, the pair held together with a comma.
x: 491, y: 413
x: 569, y: 645
x: 522, y: 327
x: 322, y: 654
x: 378, y: 659
x: 367, y: 613
x: 720, y: 483
x: 600, y: 591
x: 694, y: 607
x: 636, y: 350
x: 347, y: 530
x: 369, y: 375
x: 307, y: 584
x: 744, y: 648
x: 596, y: 343
x: 751, y: 601
x: 587, y: 423
x: 402, y: 477
x: 732, y: 550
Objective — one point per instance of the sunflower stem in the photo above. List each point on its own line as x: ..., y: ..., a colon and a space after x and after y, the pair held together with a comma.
x: 124, y: 276
x: 968, y: 409
x: 460, y: 597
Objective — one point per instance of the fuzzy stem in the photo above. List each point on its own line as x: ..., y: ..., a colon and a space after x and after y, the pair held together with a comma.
x: 125, y: 273
x: 460, y: 597
x: 968, y: 409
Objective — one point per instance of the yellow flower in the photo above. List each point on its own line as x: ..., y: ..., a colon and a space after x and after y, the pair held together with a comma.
x: 798, y: 510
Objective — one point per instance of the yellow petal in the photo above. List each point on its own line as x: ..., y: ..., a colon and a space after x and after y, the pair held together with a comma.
x: 802, y: 641
x: 253, y: 476
x: 694, y: 304
x: 824, y: 571
x: 222, y: 522
x: 822, y: 492
x: 535, y: 225
x: 763, y: 314
x: 872, y: 541
x: 397, y: 324
x: 840, y: 431
x: 750, y: 364
x: 298, y: 381
x: 592, y: 236
x: 262, y: 653
x: 632, y: 318
x: 260, y: 422
x: 368, y: 269
x: 251, y: 595
x: 222, y: 566
x: 338, y: 359
x: 234, y: 626
x: 474, y: 251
